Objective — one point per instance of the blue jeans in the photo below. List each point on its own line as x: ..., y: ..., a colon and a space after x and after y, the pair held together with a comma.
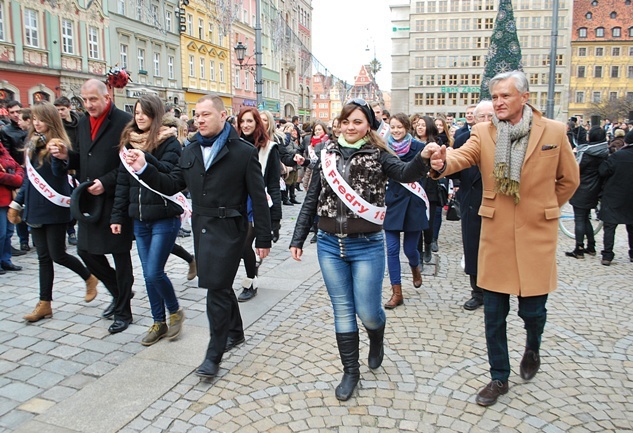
x: 496, y: 308
x: 6, y: 231
x: 154, y: 242
x: 353, y: 270
x: 410, y: 246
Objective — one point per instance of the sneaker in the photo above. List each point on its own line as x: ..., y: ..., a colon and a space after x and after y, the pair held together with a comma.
x: 157, y: 331
x: 175, y: 324
x: 72, y: 239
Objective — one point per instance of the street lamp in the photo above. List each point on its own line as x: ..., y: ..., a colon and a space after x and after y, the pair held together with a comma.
x: 240, y: 54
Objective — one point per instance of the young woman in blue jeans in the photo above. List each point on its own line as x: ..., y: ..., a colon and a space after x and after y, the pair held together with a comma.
x: 156, y: 218
x: 350, y: 241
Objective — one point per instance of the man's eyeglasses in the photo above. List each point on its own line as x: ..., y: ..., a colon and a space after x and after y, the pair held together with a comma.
x: 357, y: 101
x: 485, y: 116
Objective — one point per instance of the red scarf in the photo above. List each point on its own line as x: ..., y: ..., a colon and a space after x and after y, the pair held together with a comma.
x: 95, y: 124
x: 316, y: 140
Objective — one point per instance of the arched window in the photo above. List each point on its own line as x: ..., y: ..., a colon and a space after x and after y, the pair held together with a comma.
x: 588, y: 15
x: 582, y: 32
x: 600, y: 32
x: 616, y: 32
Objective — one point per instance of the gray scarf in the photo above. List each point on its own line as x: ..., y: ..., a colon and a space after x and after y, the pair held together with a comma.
x: 512, y: 142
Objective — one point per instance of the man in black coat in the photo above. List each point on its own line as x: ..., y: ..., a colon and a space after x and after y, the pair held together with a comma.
x: 220, y: 170
x: 470, y: 121
x: 469, y: 197
x: 11, y: 135
x: 97, y: 160
x: 616, y: 204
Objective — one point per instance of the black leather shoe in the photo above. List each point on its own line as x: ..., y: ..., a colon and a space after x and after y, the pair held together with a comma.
x: 287, y: 203
x: 118, y: 326
x: 233, y: 342
x: 489, y: 395
x: 294, y: 201
x: 530, y: 364
x: 11, y: 267
x: 15, y: 252
x: 247, y: 294
x: 473, y: 303
x: 208, y: 369
x: 108, y: 313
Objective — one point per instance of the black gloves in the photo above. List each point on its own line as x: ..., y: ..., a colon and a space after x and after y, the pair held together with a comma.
x: 276, y: 225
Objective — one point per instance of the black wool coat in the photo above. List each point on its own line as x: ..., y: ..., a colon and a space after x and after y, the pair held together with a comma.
x: 99, y: 159
x: 234, y: 174
x: 616, y: 205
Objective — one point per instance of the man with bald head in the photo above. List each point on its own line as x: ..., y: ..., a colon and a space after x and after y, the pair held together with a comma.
x: 96, y: 159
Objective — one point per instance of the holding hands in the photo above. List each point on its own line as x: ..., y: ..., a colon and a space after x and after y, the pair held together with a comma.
x: 436, y: 155
x: 58, y: 149
x: 135, y: 159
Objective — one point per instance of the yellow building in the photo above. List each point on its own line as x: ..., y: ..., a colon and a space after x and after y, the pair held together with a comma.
x: 206, y: 60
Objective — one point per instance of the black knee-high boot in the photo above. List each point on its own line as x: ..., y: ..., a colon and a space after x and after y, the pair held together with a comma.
x: 376, y: 347
x: 348, y: 349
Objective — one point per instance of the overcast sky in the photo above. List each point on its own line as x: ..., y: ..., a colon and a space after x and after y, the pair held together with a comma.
x: 342, y: 30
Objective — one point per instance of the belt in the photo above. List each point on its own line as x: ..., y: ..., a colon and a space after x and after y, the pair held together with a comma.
x: 352, y: 235
x: 218, y: 212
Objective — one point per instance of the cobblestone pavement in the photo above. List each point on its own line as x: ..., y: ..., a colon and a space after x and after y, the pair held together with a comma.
x: 67, y: 374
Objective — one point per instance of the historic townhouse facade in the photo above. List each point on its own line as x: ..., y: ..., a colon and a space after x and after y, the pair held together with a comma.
x: 49, y: 48
x: 145, y: 40
x: 439, y: 49
x: 243, y: 31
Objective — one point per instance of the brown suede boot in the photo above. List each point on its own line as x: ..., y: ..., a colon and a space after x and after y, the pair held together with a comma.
x: 42, y: 311
x: 417, y: 276
x: 91, y: 288
x: 396, y: 297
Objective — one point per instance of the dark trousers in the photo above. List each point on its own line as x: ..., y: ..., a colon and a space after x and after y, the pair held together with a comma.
x: 583, y: 227
x: 118, y: 282
x: 50, y: 243
x: 179, y: 251
x: 609, y: 239
x: 23, y: 232
x: 427, y: 234
x: 225, y: 320
x: 496, y: 308
x: 477, y: 292
x: 248, y: 255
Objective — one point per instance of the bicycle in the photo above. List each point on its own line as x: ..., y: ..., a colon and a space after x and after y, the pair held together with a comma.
x: 566, y: 220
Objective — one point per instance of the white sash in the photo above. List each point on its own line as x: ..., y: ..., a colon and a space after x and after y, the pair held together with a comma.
x: 43, y: 187
x: 263, y: 154
x: 178, y: 198
x: 384, y: 130
x: 352, y: 200
x: 311, y: 153
x: 417, y: 190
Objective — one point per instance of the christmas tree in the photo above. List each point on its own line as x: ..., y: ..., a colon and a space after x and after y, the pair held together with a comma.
x: 504, y: 53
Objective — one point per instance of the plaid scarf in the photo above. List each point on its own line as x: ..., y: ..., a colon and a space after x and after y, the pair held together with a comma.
x: 512, y: 142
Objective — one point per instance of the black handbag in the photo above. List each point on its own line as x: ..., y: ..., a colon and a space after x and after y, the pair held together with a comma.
x: 453, y: 214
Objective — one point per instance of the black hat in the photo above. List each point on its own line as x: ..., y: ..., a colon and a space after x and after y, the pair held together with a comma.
x: 573, y: 119
x: 369, y: 112
x: 628, y: 138
x: 84, y: 206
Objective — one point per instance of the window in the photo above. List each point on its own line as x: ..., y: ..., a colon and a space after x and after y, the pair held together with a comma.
x: 630, y: 31
x: 441, y: 80
x: 488, y: 23
x: 430, y: 44
x: 139, y: 10
x: 533, y: 79
x: 419, y: 80
x: 155, y: 14
x: 465, y: 44
x: 31, y: 30
x: 1, y: 21
x: 221, y: 71
x: 629, y: 72
x: 170, y: 67
x: 441, y: 43
x: 419, y: 7
x: 442, y: 25
x: 613, y: 96
x: 200, y: 28
x: 596, y: 97
x: 157, y: 65
x: 630, y: 51
x: 123, y: 51
x: 430, y: 62
x: 616, y: 32
x: 418, y: 99
x: 190, y: 24
x: 559, y: 60
x: 430, y: 26
x: 489, y: 5
x: 465, y: 23
x: 597, y: 71
x: 141, y: 59
x: 202, y: 63
x: 429, y: 98
x: 476, y: 81
x: 600, y: 32
x: 476, y: 61
x: 580, y: 97
x: 558, y: 78
x: 588, y: 15
x: 615, y: 72
x: 536, y: 22
x: 452, y: 80
x: 442, y: 6
x: 431, y: 7
x: 580, y: 72
x: 93, y: 42
x: 441, y: 99
x: 599, y: 52
x: 419, y: 25
x: 582, y: 32
x: 452, y: 98
x: 615, y: 51
x: 479, y: 23
x: 430, y: 80
x: 419, y: 44
x: 247, y: 84
x: 419, y: 62
x: 523, y: 23
x: 582, y: 52
x: 211, y: 32
x: 192, y: 72
x: 168, y: 20
x: 68, y: 41
x: 121, y: 7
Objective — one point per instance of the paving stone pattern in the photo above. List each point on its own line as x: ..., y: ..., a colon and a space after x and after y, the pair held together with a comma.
x: 283, y: 378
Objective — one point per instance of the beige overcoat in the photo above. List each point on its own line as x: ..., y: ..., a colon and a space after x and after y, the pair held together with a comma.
x: 517, y: 250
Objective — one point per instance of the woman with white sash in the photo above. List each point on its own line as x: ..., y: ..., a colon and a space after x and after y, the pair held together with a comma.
x: 407, y: 207
x: 156, y: 216
x: 251, y: 128
x: 45, y: 196
x: 349, y: 198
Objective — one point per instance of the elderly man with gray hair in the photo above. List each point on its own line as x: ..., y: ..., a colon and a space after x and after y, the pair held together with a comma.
x: 528, y: 172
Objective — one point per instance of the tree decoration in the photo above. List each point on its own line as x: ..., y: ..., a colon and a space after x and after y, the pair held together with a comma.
x: 504, y: 53
x: 117, y: 77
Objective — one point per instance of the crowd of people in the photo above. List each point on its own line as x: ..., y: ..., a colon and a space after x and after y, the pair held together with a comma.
x: 374, y: 183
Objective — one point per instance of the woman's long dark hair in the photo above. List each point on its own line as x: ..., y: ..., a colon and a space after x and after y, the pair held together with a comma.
x: 431, y: 130
x: 153, y: 108
x: 260, y: 136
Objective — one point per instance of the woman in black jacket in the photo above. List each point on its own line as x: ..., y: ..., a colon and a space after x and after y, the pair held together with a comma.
x: 589, y: 156
x: 252, y: 129
x: 49, y: 214
x: 156, y: 217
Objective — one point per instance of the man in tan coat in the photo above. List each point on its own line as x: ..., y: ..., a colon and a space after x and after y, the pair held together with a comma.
x: 528, y: 172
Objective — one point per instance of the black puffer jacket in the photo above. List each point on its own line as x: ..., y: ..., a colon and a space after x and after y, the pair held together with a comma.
x: 137, y: 201
x: 590, y: 157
